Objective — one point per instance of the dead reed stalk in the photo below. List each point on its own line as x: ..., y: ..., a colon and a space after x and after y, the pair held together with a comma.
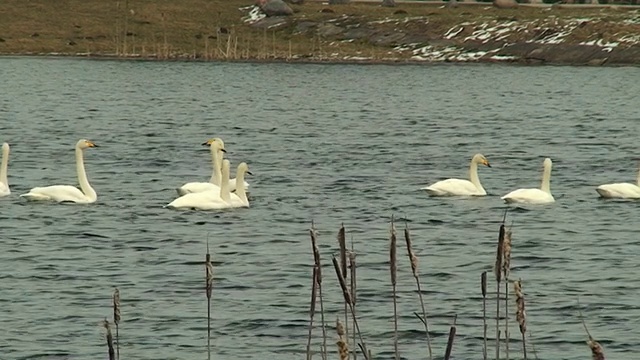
x: 521, y: 315
x: 354, y: 297
x: 112, y: 353
x: 208, y: 289
x: 342, y: 243
x: 349, y: 300
x: 116, y: 318
x: 394, y: 270
x: 506, y: 268
x: 343, y: 346
x: 452, y: 335
x: 483, y: 287
x: 312, y: 309
x: 597, y: 352
x: 316, y: 260
x: 498, y: 272
x: 413, y: 259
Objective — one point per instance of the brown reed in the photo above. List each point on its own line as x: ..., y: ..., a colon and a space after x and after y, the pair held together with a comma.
x: 316, y: 260
x: 116, y: 318
x: 349, y: 300
x: 112, y: 353
x: 208, y: 290
x: 506, y: 269
x: 498, y: 272
x: 597, y: 352
x: 342, y: 243
x: 452, y: 335
x: 312, y: 309
x: 343, y: 346
x: 413, y: 259
x: 353, y: 288
x: 483, y: 287
x: 394, y: 270
x: 521, y: 315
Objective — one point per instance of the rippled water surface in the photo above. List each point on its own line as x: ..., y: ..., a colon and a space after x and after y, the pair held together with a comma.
x: 326, y: 143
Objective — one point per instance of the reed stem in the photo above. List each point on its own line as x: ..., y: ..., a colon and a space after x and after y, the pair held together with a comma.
x: 112, y: 353
x: 354, y: 297
x: 116, y: 318
x: 498, y: 273
x: 312, y: 309
x: 413, y: 259
x: 597, y: 352
x: 521, y: 315
x: 208, y: 289
x: 342, y: 243
x: 452, y: 335
x: 316, y: 258
x: 483, y: 287
x: 506, y: 269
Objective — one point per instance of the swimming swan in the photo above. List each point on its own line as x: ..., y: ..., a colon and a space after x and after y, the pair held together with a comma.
x: 61, y: 193
x: 207, y: 200
x: 617, y: 190
x: 239, y: 199
x: 4, y: 183
x: 217, y: 149
x: 534, y: 196
x: 233, y: 182
x: 454, y: 187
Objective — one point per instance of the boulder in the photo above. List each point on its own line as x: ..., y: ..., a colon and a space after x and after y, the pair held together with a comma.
x: 329, y: 30
x: 505, y: 4
x: 275, y: 8
x: 296, y: 2
x: 389, y: 3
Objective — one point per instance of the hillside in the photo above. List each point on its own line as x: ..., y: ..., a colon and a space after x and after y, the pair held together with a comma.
x: 236, y: 30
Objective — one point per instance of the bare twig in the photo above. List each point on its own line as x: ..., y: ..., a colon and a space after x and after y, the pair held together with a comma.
x: 112, y: 353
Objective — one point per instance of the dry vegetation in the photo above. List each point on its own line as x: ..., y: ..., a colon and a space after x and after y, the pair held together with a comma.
x: 215, y: 29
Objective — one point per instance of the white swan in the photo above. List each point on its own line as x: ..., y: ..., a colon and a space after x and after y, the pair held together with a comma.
x: 534, y: 196
x: 207, y: 200
x: 239, y: 199
x: 460, y: 187
x: 618, y: 190
x: 233, y: 182
x: 4, y: 182
x: 217, y: 149
x: 63, y: 193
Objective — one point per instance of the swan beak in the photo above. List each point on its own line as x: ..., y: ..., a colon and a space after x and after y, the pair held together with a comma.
x: 91, y: 144
x: 249, y: 172
x: 206, y: 143
x: 486, y: 163
x: 223, y: 150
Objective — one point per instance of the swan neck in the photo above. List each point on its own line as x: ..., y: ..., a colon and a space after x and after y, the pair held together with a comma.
x: 473, y: 175
x: 82, y: 176
x: 637, y: 180
x: 546, y: 179
x: 4, y: 166
x: 225, y: 195
x: 216, y: 161
x: 240, y: 190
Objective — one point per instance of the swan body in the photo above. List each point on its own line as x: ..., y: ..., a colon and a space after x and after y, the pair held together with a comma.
x: 534, y: 196
x: 461, y: 187
x: 66, y: 193
x: 217, y: 149
x: 617, y: 190
x: 4, y: 183
x: 207, y: 200
x: 239, y: 199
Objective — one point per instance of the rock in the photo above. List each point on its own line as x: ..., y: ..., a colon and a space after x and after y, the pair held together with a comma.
x: 387, y: 39
x: 296, y: 2
x: 505, y: 4
x: 275, y: 8
x: 400, y: 12
x: 304, y: 26
x: 389, y: 3
x: 358, y: 33
x: 271, y: 23
x: 452, y: 4
x: 628, y: 56
x: 327, y: 10
x: 329, y: 30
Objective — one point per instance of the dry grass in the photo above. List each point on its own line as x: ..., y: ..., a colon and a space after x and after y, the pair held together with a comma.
x: 190, y: 28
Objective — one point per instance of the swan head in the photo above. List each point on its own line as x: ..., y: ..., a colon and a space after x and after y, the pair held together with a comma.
x: 85, y: 144
x: 547, y: 163
x: 215, y: 143
x: 480, y: 159
x: 5, y: 147
x: 243, y: 167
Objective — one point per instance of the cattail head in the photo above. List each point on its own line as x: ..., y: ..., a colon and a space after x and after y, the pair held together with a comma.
x: 499, y: 255
x: 343, y: 347
x: 116, y: 306
x: 208, y: 273
x: 392, y: 254
x: 412, y: 256
x: 343, y: 284
x: 483, y: 284
x: 506, y: 246
x: 342, y: 243
x: 112, y: 353
x: 521, y: 315
x: 316, y: 254
x: 597, y: 352
x: 353, y: 266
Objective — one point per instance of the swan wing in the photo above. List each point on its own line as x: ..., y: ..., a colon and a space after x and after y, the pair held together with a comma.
x: 58, y: 193
x: 528, y: 196
x: 4, y: 189
x: 196, y: 187
x: 619, y: 190
x: 206, y: 200
x: 451, y: 187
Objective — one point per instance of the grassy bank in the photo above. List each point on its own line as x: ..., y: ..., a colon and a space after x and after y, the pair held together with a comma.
x: 223, y: 29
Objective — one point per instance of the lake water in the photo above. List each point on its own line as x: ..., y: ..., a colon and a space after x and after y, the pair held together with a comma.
x: 328, y: 143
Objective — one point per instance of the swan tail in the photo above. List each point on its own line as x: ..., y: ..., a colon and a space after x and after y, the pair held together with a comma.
x: 35, y: 196
x: 181, y: 191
